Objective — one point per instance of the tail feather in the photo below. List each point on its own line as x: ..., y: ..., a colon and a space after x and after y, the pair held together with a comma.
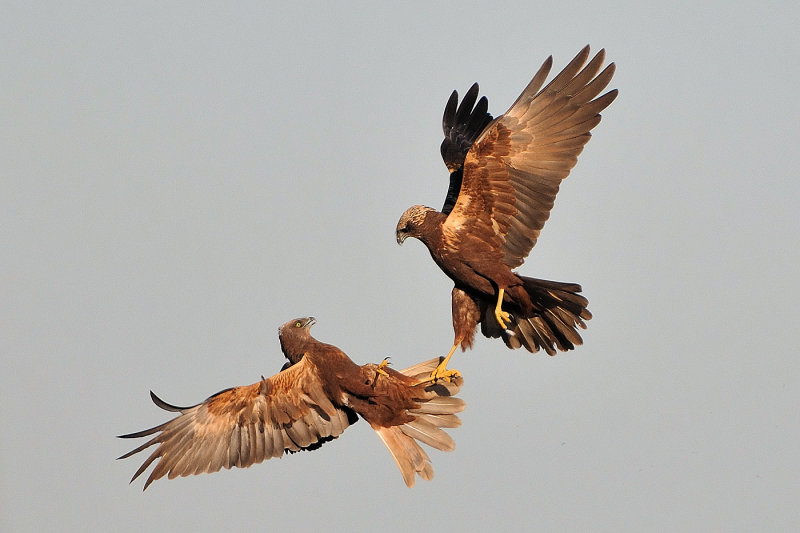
x: 558, y: 312
x: 564, y: 324
x: 411, y: 459
x: 440, y: 406
x: 442, y: 421
x: 535, y: 332
x: 428, y: 433
x: 422, y: 371
x: 436, y: 409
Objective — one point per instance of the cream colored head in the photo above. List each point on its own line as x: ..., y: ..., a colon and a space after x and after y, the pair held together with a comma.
x: 410, y: 224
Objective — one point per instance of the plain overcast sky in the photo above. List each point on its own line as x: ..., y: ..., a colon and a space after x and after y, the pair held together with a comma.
x: 177, y: 181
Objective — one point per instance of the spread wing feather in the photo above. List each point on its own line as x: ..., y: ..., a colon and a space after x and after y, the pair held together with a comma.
x: 513, y: 171
x: 244, y: 425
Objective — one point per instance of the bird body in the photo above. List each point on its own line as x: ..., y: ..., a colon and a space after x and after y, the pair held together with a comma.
x: 465, y: 258
x: 505, y: 173
x: 310, y: 402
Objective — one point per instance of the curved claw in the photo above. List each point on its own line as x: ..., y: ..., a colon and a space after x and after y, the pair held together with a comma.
x: 501, y: 316
x: 380, y: 368
x: 444, y: 374
x: 441, y: 371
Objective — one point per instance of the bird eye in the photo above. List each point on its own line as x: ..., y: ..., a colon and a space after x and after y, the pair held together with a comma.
x: 297, y: 324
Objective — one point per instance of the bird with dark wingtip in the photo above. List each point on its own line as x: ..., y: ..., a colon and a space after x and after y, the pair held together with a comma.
x: 308, y: 403
x: 504, y: 177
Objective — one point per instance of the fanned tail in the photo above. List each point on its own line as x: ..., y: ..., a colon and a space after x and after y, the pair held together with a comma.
x: 558, y: 312
x: 411, y: 459
x: 437, y: 408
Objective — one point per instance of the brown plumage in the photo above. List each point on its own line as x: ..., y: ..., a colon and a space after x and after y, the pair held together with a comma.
x: 504, y: 176
x: 318, y: 394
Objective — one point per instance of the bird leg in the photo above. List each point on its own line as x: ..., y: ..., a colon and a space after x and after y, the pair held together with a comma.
x: 441, y: 371
x: 380, y: 368
x: 501, y: 316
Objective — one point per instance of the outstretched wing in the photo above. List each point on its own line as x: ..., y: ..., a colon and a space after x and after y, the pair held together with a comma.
x: 461, y: 126
x: 513, y: 170
x: 244, y: 425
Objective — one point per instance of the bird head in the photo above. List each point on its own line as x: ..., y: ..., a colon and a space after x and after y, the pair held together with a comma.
x: 293, y: 336
x: 297, y: 325
x: 410, y: 223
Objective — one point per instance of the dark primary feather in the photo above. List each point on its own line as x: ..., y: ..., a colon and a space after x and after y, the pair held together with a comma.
x: 462, y: 124
x: 173, y: 408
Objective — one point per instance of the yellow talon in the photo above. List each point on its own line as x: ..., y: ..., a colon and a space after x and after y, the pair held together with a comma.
x: 501, y: 316
x: 445, y: 375
x: 380, y: 368
x: 441, y: 371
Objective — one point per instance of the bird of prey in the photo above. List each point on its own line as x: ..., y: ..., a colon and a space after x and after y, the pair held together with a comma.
x: 311, y: 401
x: 504, y: 176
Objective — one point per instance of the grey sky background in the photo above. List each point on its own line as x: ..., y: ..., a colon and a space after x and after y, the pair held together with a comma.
x: 177, y: 181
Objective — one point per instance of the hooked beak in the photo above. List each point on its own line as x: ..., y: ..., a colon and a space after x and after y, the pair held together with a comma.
x: 400, y: 237
x: 308, y: 322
